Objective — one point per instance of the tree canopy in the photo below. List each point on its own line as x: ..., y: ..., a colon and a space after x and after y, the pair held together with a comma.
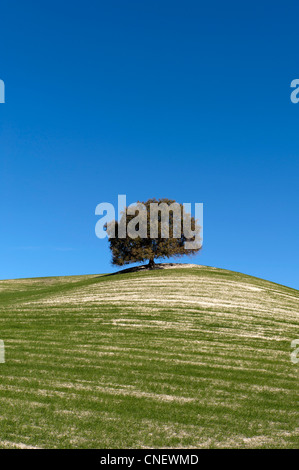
x: 151, y: 230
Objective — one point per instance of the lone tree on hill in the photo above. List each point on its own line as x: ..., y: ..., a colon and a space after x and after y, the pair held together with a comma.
x: 161, y: 229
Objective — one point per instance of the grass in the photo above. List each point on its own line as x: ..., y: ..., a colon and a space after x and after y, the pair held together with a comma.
x: 184, y: 357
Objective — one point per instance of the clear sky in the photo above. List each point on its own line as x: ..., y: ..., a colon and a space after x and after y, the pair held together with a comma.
x: 186, y: 100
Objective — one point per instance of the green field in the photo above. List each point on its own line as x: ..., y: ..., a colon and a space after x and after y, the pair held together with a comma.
x: 184, y: 357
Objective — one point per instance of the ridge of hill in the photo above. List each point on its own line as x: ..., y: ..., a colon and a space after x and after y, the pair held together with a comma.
x: 193, y: 356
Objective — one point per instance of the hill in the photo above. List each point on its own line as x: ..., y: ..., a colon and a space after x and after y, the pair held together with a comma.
x: 184, y: 357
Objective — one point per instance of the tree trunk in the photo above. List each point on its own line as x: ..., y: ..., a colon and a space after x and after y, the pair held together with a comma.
x: 151, y: 263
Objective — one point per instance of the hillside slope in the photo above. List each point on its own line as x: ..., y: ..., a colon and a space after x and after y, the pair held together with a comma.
x: 194, y: 357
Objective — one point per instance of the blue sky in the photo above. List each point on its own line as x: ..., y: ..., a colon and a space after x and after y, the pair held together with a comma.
x: 186, y: 100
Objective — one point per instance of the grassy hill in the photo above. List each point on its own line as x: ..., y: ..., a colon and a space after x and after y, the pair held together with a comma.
x: 184, y: 357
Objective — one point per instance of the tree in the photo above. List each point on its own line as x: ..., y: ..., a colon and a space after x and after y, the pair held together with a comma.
x: 161, y: 229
